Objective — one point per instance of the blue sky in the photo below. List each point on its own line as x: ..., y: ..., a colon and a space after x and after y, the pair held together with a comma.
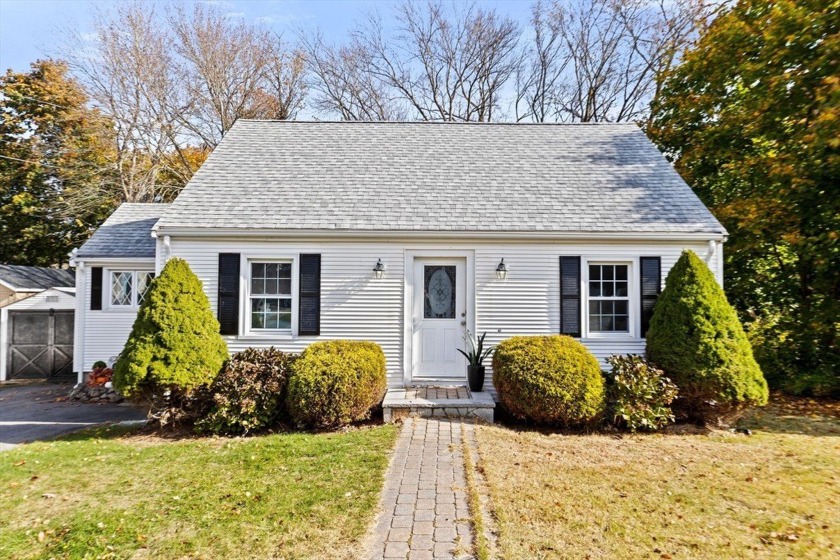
x: 31, y: 29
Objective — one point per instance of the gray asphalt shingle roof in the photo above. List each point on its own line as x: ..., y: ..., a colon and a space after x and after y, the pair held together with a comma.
x: 439, y: 177
x: 36, y: 277
x: 126, y: 233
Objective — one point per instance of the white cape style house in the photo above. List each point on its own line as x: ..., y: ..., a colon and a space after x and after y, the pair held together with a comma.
x: 408, y: 235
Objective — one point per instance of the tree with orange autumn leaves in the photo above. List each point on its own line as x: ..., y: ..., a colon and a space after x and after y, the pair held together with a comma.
x: 751, y: 119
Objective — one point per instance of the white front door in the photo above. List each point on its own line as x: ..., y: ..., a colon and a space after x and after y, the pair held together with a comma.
x: 440, y: 318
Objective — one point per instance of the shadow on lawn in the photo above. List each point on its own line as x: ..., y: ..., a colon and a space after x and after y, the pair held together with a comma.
x: 153, y: 433
x: 783, y: 415
x: 795, y: 415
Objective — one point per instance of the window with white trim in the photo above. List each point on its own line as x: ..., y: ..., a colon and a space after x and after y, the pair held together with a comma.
x: 608, y: 305
x: 270, y: 294
x: 128, y: 288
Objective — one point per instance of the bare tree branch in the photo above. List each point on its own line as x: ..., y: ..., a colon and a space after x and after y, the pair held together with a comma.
x: 435, y: 65
x: 345, y: 84
x: 127, y: 70
x: 598, y: 60
x: 232, y: 71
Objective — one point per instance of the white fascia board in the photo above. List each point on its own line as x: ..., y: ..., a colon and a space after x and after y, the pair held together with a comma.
x: 106, y: 261
x: 463, y: 234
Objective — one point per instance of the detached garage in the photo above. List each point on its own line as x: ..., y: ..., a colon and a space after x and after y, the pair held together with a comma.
x: 36, y: 325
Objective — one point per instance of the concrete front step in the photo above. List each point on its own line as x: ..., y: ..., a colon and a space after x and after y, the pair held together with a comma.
x: 402, y: 403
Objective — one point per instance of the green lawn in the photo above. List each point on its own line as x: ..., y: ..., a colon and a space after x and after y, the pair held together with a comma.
x: 113, y: 493
x: 775, y: 494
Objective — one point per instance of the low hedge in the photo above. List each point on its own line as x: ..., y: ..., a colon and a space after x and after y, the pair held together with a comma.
x: 336, y: 382
x: 549, y: 380
x: 249, y: 392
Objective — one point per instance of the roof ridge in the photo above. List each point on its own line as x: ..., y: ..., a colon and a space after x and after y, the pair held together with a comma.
x: 494, y: 123
x: 144, y: 204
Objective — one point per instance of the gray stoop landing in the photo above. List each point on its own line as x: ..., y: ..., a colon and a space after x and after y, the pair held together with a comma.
x: 451, y: 401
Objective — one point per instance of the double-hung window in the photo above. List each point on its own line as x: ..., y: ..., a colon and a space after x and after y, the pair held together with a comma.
x: 270, y: 295
x: 609, y: 305
x: 128, y: 288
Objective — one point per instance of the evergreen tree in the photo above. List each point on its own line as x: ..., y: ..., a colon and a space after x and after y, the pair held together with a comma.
x: 695, y: 336
x: 175, y: 345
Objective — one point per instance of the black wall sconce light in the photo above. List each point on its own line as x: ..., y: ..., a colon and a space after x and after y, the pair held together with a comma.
x: 501, y: 270
x: 378, y: 269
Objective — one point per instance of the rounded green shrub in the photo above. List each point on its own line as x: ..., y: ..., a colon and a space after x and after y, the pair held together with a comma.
x: 335, y: 383
x: 249, y: 392
x: 549, y: 380
x: 174, y: 346
x: 695, y: 336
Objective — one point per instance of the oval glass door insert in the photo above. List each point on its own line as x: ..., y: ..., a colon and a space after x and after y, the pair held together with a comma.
x: 439, y: 289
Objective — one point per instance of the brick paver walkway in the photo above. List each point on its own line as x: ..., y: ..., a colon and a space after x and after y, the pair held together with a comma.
x: 424, y: 512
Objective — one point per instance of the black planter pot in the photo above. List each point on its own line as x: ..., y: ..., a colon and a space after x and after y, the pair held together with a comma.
x: 475, y: 376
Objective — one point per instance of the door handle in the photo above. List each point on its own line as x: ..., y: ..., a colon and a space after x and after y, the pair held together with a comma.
x: 463, y: 323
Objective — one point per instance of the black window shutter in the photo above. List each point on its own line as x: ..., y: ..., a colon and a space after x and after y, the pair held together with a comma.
x: 228, y: 308
x: 96, y: 288
x: 651, y: 282
x: 570, y: 296
x: 309, y: 305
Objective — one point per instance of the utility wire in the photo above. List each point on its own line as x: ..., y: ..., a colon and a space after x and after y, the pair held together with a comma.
x: 83, y: 166
x: 28, y: 161
x: 36, y: 100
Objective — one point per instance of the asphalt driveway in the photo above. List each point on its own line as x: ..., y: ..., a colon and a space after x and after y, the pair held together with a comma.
x: 38, y: 412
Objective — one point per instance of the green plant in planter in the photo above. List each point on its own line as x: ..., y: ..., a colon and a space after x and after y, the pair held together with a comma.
x: 475, y: 355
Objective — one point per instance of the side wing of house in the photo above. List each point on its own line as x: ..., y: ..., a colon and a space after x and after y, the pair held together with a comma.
x: 113, y: 270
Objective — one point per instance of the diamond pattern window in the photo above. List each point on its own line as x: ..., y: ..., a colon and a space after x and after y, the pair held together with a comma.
x: 129, y: 287
x: 144, y: 281
x: 122, y: 293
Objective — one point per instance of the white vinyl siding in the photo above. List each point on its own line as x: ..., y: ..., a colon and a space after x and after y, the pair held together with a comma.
x: 355, y: 305
x: 101, y: 334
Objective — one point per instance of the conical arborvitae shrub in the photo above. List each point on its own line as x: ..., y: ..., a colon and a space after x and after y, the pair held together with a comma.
x: 175, y: 345
x: 696, y: 337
